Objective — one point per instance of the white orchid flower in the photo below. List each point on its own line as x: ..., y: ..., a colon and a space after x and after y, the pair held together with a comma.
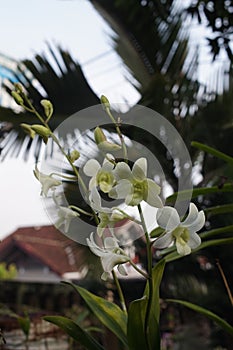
x: 108, y: 216
x: 110, y: 254
x: 95, y: 201
x: 134, y: 186
x: 183, y: 233
x: 65, y: 215
x: 47, y: 181
x: 101, y: 176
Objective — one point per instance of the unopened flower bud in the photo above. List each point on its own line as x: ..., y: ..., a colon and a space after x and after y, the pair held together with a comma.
x: 99, y: 135
x: 18, y: 88
x: 107, y: 146
x: 42, y: 131
x: 27, y: 128
x: 74, y: 155
x: 103, y: 144
x: 105, y: 102
x: 48, y: 108
x: 18, y: 99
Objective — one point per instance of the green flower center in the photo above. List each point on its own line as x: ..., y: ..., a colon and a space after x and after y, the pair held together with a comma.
x: 181, y: 234
x: 139, y: 191
x: 104, y: 220
x: 105, y: 180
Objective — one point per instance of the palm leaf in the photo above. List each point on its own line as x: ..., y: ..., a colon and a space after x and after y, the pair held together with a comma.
x: 57, y: 77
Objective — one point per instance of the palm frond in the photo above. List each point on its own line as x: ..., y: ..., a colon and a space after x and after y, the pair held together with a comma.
x: 153, y: 45
x: 57, y: 77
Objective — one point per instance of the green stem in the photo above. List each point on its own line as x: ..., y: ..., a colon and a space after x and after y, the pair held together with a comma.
x: 150, y: 282
x: 128, y: 216
x: 75, y: 171
x: 54, y: 138
x: 119, y: 290
x: 80, y: 210
x: 118, y: 130
x: 64, y: 176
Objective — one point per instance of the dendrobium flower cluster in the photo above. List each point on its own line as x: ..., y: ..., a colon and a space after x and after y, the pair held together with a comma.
x: 118, y: 181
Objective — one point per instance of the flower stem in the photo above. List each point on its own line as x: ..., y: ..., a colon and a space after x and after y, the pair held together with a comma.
x: 80, y: 210
x: 33, y: 110
x: 64, y: 176
x: 149, y: 268
x: 118, y: 130
x: 127, y: 215
x: 119, y: 290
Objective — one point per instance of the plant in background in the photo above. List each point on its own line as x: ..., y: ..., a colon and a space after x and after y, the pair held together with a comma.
x: 7, y: 272
x: 136, y: 326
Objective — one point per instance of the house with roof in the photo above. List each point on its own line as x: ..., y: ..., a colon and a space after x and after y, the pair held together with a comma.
x: 43, y: 254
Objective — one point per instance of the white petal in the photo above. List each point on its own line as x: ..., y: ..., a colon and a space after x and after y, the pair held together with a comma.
x: 105, y: 275
x: 163, y: 241
x: 92, y: 183
x: 100, y: 231
x: 107, y: 157
x: 67, y: 224
x: 59, y: 222
x: 194, y: 241
x: 122, y: 270
x: 132, y: 199
x: 111, y: 259
x: 122, y: 171
x: 121, y: 190
x: 152, y: 195
x: 91, y: 167
x: 107, y: 165
x: 94, y: 247
x: 95, y: 199
x: 168, y: 218
x: 192, y: 215
x: 198, y: 223
x: 139, y: 170
x: 110, y: 243
x: 48, y: 182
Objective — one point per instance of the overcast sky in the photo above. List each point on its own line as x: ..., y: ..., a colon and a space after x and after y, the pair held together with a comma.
x: 75, y: 25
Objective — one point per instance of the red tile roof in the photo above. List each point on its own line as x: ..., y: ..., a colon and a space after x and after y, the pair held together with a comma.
x: 46, y: 244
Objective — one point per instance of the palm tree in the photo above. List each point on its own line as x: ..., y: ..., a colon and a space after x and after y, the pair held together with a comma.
x: 58, y: 78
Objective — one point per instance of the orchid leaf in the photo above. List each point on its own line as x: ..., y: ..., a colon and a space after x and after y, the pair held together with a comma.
x: 216, y: 231
x: 136, y: 327
x: 157, y: 274
x: 75, y: 332
x: 107, y: 312
x: 212, y: 151
x: 219, y: 209
x: 201, y: 191
x: 220, y: 321
x: 24, y: 323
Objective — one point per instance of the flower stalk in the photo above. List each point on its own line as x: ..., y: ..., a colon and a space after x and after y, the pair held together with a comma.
x: 119, y: 290
x: 149, y: 268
